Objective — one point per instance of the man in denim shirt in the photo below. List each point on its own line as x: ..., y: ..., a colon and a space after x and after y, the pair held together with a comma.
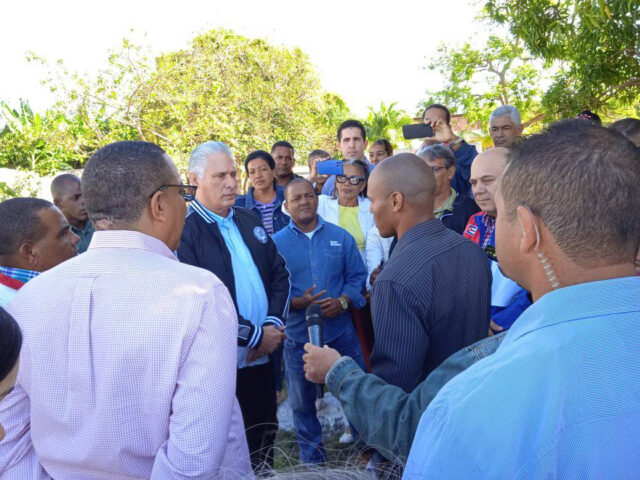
x: 385, y: 416
x: 326, y: 269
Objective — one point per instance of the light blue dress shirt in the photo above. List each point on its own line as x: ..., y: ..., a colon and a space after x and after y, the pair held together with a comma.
x: 250, y: 294
x: 560, y: 398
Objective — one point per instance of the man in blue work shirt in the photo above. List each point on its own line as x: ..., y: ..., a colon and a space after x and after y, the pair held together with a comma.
x: 326, y: 269
x: 560, y: 398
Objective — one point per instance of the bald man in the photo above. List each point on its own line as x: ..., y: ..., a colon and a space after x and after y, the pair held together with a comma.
x: 67, y: 196
x: 508, y: 299
x: 433, y: 296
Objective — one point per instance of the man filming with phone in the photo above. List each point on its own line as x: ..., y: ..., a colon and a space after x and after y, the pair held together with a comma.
x: 327, y: 270
x: 439, y: 118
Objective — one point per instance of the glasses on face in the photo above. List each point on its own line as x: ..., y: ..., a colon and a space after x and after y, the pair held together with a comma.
x: 353, y: 180
x: 188, y: 192
x: 436, y: 169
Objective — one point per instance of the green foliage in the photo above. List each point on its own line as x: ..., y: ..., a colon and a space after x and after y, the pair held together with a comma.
x: 386, y: 123
x: 22, y: 187
x: 479, y: 80
x: 223, y: 87
x: 596, y: 43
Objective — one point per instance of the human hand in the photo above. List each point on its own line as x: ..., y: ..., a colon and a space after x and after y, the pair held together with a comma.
x: 307, y: 298
x: 253, y: 354
x: 331, y: 307
x: 272, y: 337
x: 374, y: 274
x: 441, y: 131
x: 318, y: 361
x: 494, y: 328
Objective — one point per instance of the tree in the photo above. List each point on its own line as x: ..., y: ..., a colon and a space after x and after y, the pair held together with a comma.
x: 386, y: 123
x: 478, y: 80
x: 223, y: 87
x: 595, y: 42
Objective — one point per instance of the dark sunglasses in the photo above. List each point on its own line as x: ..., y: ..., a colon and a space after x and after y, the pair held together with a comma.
x: 353, y: 180
x: 188, y: 192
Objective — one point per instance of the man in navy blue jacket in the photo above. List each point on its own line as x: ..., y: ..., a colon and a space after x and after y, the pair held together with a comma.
x: 439, y: 117
x: 232, y: 243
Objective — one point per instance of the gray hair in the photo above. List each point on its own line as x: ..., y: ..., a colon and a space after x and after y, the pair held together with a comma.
x: 438, y: 150
x: 504, y: 110
x: 575, y: 176
x: 198, y: 158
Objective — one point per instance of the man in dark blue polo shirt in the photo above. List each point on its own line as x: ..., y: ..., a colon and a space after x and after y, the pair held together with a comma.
x: 326, y: 269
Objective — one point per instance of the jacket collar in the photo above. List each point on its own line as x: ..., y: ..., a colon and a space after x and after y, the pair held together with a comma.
x: 250, y: 201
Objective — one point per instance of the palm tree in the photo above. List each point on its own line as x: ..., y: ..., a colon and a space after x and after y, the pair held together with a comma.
x: 387, y: 123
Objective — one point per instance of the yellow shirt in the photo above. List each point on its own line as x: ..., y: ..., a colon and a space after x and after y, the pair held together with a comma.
x: 348, y: 219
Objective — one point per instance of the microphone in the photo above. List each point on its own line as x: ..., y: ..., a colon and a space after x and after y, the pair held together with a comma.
x: 315, y: 323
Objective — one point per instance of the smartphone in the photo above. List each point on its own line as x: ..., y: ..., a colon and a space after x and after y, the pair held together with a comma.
x: 417, y: 130
x: 330, y: 167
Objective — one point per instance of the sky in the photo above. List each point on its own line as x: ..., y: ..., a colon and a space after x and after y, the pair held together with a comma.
x: 366, y: 52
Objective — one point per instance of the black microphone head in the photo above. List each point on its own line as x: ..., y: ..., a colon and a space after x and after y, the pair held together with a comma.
x: 313, y: 315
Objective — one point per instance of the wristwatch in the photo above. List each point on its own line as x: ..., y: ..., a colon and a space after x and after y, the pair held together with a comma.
x: 343, y: 302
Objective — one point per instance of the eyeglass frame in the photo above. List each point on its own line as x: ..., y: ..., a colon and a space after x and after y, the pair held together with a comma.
x: 350, y: 178
x: 437, y: 168
x: 188, y: 197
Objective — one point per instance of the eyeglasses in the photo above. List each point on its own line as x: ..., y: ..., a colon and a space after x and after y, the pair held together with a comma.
x: 437, y: 169
x: 188, y: 192
x: 353, y: 180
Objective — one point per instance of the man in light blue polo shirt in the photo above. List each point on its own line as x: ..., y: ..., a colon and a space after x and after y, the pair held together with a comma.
x: 327, y: 269
x: 560, y: 398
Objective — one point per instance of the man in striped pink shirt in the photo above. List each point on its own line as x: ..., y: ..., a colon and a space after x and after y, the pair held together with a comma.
x: 128, y: 368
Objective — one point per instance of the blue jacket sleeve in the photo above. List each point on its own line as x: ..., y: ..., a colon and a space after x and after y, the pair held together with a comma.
x: 280, y: 287
x: 505, y: 316
x: 355, y: 273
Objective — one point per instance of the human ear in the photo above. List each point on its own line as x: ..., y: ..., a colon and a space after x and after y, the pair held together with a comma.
x: 397, y: 200
x: 29, y: 253
x: 530, y: 240
x: 193, y: 179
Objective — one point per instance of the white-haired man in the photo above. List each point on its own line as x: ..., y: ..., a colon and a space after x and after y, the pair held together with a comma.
x: 505, y: 126
x: 232, y: 243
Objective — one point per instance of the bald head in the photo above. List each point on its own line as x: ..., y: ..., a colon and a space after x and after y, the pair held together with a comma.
x: 486, y: 171
x: 407, y: 174
x: 401, y: 189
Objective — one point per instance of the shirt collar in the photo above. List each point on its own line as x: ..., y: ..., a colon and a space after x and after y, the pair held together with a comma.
x: 251, y: 201
x: 130, y: 239
x: 448, y: 205
x: 20, y: 274
x: 293, y: 226
x: 421, y: 230
x: 208, y: 216
x: 84, y: 230
x: 582, y: 301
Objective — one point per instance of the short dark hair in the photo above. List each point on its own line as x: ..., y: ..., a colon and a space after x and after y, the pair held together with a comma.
x: 352, y: 124
x: 386, y: 144
x: 440, y: 107
x: 59, y: 183
x: 21, y: 222
x: 319, y: 153
x: 266, y: 156
x: 10, y: 343
x: 589, y: 115
x: 282, y: 143
x: 120, y: 177
x: 575, y: 176
x: 629, y: 127
x: 295, y: 181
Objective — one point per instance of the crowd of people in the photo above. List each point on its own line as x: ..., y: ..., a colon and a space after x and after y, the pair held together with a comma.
x: 479, y: 311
